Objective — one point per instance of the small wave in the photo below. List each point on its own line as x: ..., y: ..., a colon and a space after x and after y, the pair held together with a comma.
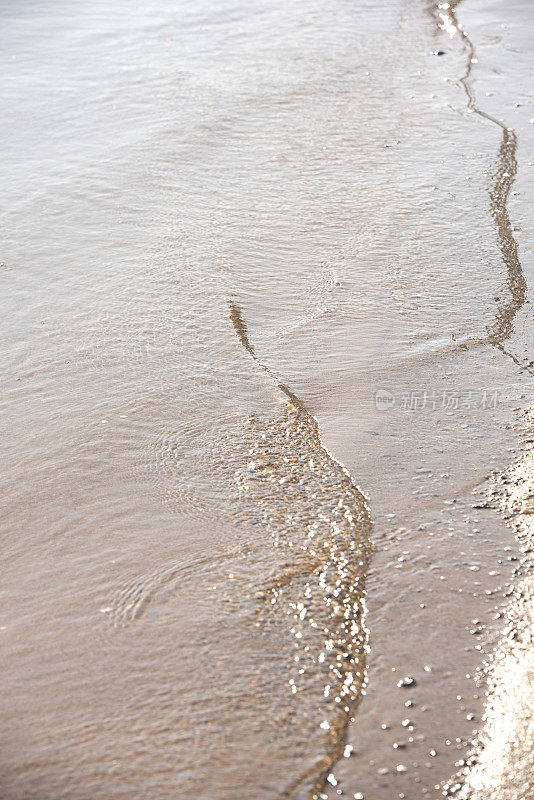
x: 315, y: 513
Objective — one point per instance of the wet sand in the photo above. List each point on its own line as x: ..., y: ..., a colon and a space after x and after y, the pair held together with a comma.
x: 500, y: 764
x: 495, y: 760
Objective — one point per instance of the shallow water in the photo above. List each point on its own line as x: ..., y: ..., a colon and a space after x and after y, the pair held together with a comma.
x: 225, y: 228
